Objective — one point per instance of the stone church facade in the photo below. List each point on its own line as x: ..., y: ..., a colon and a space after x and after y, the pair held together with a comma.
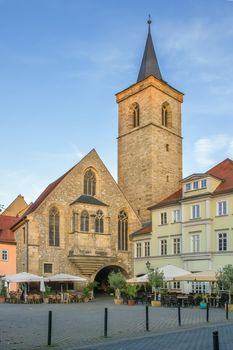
x: 81, y: 223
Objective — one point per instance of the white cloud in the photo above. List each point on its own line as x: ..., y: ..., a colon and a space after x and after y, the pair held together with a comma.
x: 209, y: 150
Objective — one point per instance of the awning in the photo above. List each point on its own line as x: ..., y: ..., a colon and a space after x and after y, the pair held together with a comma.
x: 203, y: 276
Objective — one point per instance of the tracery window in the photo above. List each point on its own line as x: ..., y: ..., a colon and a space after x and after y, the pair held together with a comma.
x: 123, y: 231
x: 54, y: 227
x: 90, y: 183
x: 84, y: 222
x: 166, y: 115
x: 99, y: 222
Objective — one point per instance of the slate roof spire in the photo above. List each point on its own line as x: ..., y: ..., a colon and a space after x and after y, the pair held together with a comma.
x: 149, y: 65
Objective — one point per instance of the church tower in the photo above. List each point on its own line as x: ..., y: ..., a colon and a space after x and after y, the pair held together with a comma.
x: 149, y: 136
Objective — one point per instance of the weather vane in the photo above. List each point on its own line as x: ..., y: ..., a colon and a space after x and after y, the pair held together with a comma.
x: 149, y: 20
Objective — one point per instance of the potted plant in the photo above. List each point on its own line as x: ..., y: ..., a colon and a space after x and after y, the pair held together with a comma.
x: 46, y: 294
x: 225, y: 282
x: 131, y: 291
x: 117, y: 282
x: 204, y: 301
x: 86, y: 294
x: 2, y: 295
x: 156, y: 280
x: 91, y: 286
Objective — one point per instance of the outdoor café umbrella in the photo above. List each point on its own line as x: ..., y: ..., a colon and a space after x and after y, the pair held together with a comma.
x: 63, y: 277
x: 203, y: 276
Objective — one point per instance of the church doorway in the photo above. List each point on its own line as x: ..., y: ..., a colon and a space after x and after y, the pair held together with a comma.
x: 101, y: 278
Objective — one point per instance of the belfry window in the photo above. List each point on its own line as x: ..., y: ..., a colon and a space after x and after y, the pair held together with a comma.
x: 90, y: 183
x: 54, y: 227
x: 136, y: 120
x: 166, y: 115
x: 84, y: 222
x: 99, y: 222
x: 122, y: 231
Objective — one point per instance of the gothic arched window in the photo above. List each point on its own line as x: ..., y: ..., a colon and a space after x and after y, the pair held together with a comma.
x: 54, y: 227
x: 136, y: 120
x: 166, y: 115
x: 90, y: 183
x: 99, y: 222
x: 123, y: 231
x: 84, y: 221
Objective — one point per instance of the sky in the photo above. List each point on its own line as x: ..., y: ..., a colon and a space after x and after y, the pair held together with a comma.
x: 63, y: 61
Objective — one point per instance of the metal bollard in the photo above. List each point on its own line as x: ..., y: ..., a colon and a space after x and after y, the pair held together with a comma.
x: 215, y: 341
x: 147, y: 318
x: 226, y: 310
x: 106, y: 322
x: 50, y: 328
x: 207, y: 312
x: 179, y: 315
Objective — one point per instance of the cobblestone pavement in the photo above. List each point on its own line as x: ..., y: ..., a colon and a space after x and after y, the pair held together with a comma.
x: 24, y: 326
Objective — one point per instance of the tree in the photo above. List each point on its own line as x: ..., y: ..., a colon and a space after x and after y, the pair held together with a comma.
x: 225, y: 280
x: 156, y: 280
x: 117, y: 282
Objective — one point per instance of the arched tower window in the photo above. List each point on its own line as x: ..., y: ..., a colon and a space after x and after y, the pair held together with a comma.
x: 123, y: 231
x: 54, y: 227
x: 136, y: 119
x: 99, y: 222
x: 166, y: 115
x: 90, y: 183
x: 84, y: 222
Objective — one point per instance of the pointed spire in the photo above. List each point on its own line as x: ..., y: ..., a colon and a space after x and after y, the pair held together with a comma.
x: 149, y: 65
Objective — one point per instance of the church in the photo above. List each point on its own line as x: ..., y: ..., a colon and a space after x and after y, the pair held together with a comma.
x: 81, y: 224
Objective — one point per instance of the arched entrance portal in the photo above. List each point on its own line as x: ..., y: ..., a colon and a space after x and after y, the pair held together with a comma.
x: 102, y: 278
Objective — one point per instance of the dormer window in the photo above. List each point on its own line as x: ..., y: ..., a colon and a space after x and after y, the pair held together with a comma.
x: 188, y: 187
x: 195, y: 185
x: 203, y: 183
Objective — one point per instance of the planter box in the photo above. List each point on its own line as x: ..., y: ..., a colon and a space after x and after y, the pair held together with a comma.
x: 2, y: 299
x: 230, y: 307
x: 155, y: 303
x: 203, y: 305
x: 118, y: 301
x: 131, y: 302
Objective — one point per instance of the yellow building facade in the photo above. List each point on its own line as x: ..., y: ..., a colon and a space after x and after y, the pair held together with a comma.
x: 192, y: 228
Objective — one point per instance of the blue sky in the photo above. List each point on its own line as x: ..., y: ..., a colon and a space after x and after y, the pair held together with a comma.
x: 62, y: 61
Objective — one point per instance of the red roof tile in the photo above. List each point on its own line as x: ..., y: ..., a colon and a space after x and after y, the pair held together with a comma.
x: 173, y: 198
x: 146, y: 228
x: 6, y: 235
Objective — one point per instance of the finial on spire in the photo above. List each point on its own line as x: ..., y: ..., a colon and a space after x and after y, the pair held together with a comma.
x: 149, y: 22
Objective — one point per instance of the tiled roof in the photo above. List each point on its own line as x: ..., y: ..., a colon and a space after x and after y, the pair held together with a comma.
x: 89, y: 200
x: 6, y: 235
x: 173, y: 198
x: 146, y: 228
x: 223, y: 171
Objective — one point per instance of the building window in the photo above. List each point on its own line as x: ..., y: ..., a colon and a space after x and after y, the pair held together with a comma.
x: 195, y: 185
x: 138, y: 250
x: 163, y: 217
x: 195, y: 211
x: 176, y: 285
x: 147, y: 248
x: 199, y: 287
x: 123, y: 231
x: 24, y: 235
x: 203, y: 183
x: 48, y: 268
x: 99, y: 222
x: 84, y: 223
x: 176, y: 246
x: 163, y: 247
x: 74, y: 222
x: 90, y: 183
x: 176, y: 215
x: 222, y: 208
x: 195, y: 243
x: 222, y: 242
x: 164, y: 115
x: 188, y: 187
x: 4, y: 255
x: 136, y: 120
x: 167, y: 147
x: 54, y: 227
